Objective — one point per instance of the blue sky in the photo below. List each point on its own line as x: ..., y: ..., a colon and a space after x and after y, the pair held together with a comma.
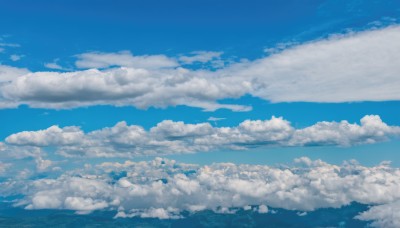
x: 56, y: 32
x: 83, y: 83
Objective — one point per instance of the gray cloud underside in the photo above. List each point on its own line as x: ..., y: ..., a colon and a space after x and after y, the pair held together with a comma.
x: 169, y: 137
x: 163, y: 188
x: 360, y: 66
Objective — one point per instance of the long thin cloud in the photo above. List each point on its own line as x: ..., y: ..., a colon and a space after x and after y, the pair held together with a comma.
x: 360, y: 66
x: 169, y: 137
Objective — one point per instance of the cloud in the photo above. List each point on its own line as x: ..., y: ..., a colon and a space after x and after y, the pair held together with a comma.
x: 9, y: 73
x: 214, y: 119
x: 16, y: 57
x: 163, y: 188
x: 122, y: 86
x: 262, y: 209
x: 54, y: 65
x: 341, y: 68
x: 42, y: 164
x: 9, y: 45
x: 359, y: 66
x: 386, y: 215
x: 19, y: 152
x: 4, y: 167
x: 200, y: 56
x: 52, y: 136
x: 123, y: 59
x: 169, y: 137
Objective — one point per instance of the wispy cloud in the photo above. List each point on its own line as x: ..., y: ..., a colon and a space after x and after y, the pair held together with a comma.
x: 200, y: 56
x: 16, y: 57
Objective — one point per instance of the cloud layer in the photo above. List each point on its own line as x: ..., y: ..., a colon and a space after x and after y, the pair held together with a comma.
x: 359, y: 66
x: 169, y: 137
x: 163, y: 188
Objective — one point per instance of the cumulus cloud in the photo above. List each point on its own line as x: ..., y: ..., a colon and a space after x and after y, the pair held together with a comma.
x: 163, y: 188
x: 386, y: 215
x: 52, y: 136
x: 9, y: 73
x: 124, y: 59
x: 141, y: 88
x: 169, y: 137
x: 42, y: 164
x: 359, y: 66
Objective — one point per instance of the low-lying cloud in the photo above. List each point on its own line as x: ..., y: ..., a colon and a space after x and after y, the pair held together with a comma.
x: 163, y: 188
x: 169, y: 137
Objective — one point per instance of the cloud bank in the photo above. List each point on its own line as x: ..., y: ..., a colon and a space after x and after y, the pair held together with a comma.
x: 163, y: 188
x: 169, y: 137
x: 359, y: 66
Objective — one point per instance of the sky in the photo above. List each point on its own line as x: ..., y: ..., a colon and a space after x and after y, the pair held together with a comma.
x: 200, y: 94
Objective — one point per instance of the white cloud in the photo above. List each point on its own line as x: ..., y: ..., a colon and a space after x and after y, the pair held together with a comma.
x: 123, y: 59
x: 386, y: 215
x: 169, y: 137
x: 359, y: 66
x: 16, y: 57
x: 163, y: 188
x: 201, y: 57
x: 214, y: 119
x: 9, y: 45
x: 4, y: 167
x: 53, y: 65
x: 9, y: 73
x: 262, y: 209
x: 19, y: 152
x: 123, y: 86
x: 42, y: 164
x: 341, y: 68
x: 52, y: 136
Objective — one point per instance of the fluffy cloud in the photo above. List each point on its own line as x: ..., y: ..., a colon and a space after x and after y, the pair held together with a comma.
x: 8, y: 73
x: 19, y: 152
x: 169, y: 137
x: 386, y: 215
x: 52, y: 136
x: 164, y: 188
x: 141, y: 88
x: 357, y: 66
